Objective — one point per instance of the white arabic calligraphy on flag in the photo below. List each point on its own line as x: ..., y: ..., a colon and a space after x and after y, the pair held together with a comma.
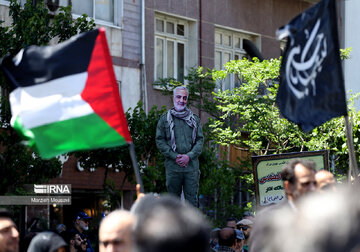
x: 305, y: 71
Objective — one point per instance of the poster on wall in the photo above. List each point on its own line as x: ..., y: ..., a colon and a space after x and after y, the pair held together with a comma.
x: 268, y: 184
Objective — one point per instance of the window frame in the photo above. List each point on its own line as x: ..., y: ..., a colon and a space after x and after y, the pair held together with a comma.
x: 5, y: 2
x: 176, y: 39
x: 233, y: 50
x: 117, y: 14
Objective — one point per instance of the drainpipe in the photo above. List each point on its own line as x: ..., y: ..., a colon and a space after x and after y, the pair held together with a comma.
x: 200, y: 33
x: 142, y: 57
x: 200, y: 50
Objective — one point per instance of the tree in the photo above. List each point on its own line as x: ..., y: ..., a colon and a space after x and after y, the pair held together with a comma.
x: 259, y: 125
x: 31, y: 25
x: 251, y: 111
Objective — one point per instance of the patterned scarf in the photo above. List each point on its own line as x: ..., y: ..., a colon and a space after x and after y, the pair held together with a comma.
x: 185, y: 115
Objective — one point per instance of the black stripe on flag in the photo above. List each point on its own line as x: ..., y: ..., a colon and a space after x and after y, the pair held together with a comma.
x: 39, y: 64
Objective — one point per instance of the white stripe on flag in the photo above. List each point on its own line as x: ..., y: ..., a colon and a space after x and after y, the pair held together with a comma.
x: 56, y: 100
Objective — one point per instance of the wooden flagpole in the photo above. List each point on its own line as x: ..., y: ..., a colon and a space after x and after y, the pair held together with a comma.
x: 353, y: 167
x: 136, y: 169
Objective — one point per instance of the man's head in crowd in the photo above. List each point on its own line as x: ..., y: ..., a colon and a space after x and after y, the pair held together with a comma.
x: 82, y: 222
x: 299, y: 178
x: 9, y: 235
x: 231, y: 222
x: 240, y: 238
x: 248, y: 215
x: 317, y: 225
x: 227, y: 237
x: 214, y: 237
x: 74, y: 240
x: 47, y: 242
x: 245, y: 225
x: 325, y: 181
x: 167, y: 224
x: 115, y: 233
x: 84, y: 245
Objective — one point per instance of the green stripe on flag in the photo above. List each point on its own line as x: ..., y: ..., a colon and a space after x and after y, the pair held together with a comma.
x: 81, y: 133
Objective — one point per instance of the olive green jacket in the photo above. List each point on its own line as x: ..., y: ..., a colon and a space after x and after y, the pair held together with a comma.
x: 183, y: 140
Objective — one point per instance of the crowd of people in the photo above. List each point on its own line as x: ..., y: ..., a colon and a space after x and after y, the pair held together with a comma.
x: 277, y: 227
x: 153, y: 224
x: 234, y: 236
x: 316, y: 216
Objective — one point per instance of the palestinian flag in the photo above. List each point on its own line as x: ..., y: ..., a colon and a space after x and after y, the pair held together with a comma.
x: 66, y: 96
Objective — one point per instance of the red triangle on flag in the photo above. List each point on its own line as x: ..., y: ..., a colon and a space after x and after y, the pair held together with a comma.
x: 101, y: 90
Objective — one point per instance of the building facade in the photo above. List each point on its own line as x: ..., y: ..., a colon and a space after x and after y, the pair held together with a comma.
x: 152, y: 39
x: 190, y: 33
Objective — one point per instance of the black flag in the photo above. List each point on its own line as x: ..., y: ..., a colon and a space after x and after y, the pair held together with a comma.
x: 311, y: 89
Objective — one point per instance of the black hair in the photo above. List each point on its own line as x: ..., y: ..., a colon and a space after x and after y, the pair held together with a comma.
x: 288, y: 172
x: 227, y: 237
x: 166, y: 224
x: 4, y: 213
x: 231, y: 219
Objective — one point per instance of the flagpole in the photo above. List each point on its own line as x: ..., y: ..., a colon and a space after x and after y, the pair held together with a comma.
x: 136, y: 169
x: 353, y: 167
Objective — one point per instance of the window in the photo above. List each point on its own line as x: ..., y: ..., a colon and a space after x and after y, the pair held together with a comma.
x: 229, y: 46
x: 7, y: 2
x: 100, y: 10
x: 107, y: 12
x: 171, y: 41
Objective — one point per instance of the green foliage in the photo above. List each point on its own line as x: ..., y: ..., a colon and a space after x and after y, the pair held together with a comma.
x: 250, y: 117
x: 143, y: 131
x: 31, y: 25
x: 201, y: 86
x: 63, y: 26
x: 331, y: 135
x: 345, y: 53
x: 219, y: 187
x: 21, y: 166
x: 113, y: 196
x: 259, y: 125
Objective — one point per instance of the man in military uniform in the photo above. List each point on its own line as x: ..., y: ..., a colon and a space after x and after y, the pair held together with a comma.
x: 179, y: 138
